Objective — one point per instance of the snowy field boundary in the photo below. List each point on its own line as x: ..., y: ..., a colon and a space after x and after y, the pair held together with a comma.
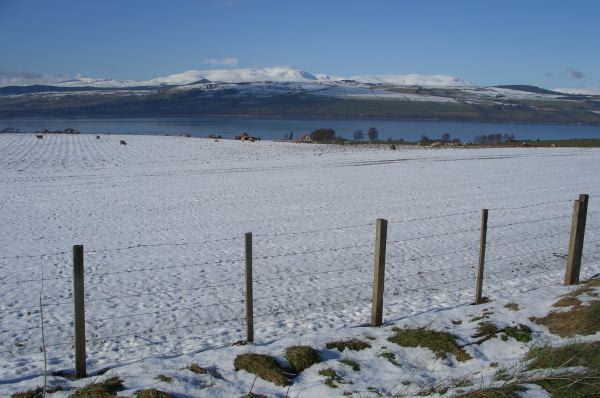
x: 512, y: 266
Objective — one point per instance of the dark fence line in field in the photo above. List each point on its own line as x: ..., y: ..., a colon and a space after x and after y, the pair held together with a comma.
x: 389, y: 256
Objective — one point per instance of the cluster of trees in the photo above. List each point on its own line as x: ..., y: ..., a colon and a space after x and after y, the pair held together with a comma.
x: 322, y: 134
x: 372, y: 133
x: 493, y: 139
x: 326, y: 134
x: 444, y: 138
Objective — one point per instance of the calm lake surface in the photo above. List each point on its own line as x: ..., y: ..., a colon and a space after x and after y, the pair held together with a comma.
x: 270, y: 129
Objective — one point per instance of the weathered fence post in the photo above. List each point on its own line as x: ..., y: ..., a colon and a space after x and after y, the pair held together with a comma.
x: 79, y: 311
x: 249, y: 302
x: 482, y: 243
x: 576, y: 241
x: 380, y: 243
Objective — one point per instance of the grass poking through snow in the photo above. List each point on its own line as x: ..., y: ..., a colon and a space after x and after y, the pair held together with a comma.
x: 441, y: 343
x: 264, y: 366
x: 104, y: 389
x: 301, y: 357
x: 354, y: 344
x: 152, y: 393
x: 350, y: 362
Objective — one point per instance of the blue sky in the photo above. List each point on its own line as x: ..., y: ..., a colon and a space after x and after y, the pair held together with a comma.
x: 546, y: 43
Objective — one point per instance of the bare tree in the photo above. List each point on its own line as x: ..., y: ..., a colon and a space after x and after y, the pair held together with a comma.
x: 373, y: 134
x: 358, y: 135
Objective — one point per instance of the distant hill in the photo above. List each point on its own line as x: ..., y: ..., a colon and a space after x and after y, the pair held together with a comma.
x: 529, y: 89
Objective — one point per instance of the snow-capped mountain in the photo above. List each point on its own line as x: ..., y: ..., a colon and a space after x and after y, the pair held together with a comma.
x: 413, y: 80
x: 242, y: 75
x: 579, y: 91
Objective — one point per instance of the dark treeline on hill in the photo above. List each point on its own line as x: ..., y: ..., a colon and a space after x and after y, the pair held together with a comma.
x: 236, y: 102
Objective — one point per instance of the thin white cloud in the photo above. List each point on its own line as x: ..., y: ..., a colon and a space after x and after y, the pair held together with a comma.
x: 229, y: 61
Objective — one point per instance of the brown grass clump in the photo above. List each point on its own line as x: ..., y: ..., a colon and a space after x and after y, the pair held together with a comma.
x: 353, y: 344
x: 37, y: 392
x: 508, y: 391
x: 152, y: 393
x: 568, y: 301
x: 301, y: 357
x: 264, y: 366
x: 441, y: 343
x: 253, y: 395
x: 105, y: 389
x: 165, y: 378
x: 197, y: 369
x: 331, y: 377
x: 512, y: 306
x: 582, y: 320
x: 585, y: 355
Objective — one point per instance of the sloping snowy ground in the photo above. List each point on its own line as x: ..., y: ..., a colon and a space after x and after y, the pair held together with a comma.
x: 162, y: 222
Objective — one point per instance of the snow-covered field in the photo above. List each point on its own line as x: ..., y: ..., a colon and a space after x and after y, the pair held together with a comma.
x: 162, y: 220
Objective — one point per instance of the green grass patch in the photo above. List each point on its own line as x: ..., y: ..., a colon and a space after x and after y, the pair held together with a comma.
x: 353, y: 344
x: 487, y: 330
x: 391, y: 357
x: 521, y: 333
x: 264, y: 366
x: 350, y: 362
x: 38, y: 392
x: 441, y: 343
x: 105, y: 389
x: 331, y: 377
x: 301, y: 357
x: 152, y: 393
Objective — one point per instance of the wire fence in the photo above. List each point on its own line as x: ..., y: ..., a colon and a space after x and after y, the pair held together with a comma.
x: 145, y: 300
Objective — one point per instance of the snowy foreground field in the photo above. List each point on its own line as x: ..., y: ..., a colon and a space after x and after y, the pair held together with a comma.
x: 162, y: 221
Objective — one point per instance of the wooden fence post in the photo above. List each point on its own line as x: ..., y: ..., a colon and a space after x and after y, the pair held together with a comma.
x: 576, y: 241
x: 79, y: 312
x: 249, y: 302
x: 482, y: 243
x: 378, y: 282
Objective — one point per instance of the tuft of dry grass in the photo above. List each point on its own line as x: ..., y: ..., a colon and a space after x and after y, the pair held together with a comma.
x: 568, y: 301
x: 197, y: 369
x: 38, y: 392
x: 165, y: 378
x: 512, y: 306
x: 583, y: 320
x: 264, y: 366
x: 301, y: 357
x: 353, y: 344
x: 585, y: 355
x: 508, y: 391
x: 350, y: 362
x: 441, y: 343
x: 253, y: 395
x: 105, y: 389
x: 331, y: 377
x: 152, y: 393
